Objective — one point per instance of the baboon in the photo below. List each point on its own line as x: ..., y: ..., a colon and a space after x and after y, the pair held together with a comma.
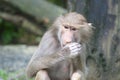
x: 60, y: 53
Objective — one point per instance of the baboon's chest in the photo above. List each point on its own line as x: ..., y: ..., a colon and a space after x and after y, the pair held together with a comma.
x: 60, y: 71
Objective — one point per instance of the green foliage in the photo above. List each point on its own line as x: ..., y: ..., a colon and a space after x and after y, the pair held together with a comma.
x: 10, y: 34
x: 12, y: 75
x: 7, y: 32
x: 3, y: 75
x: 0, y: 20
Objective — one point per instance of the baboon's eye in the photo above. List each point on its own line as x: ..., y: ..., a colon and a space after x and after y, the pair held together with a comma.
x: 74, y: 29
x: 66, y: 27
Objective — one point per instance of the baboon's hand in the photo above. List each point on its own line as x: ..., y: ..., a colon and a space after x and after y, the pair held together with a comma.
x: 74, y: 48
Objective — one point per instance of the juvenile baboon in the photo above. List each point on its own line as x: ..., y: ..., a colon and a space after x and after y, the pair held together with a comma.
x: 60, y: 53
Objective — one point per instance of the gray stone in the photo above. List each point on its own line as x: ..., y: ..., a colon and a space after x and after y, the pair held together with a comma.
x: 15, y: 57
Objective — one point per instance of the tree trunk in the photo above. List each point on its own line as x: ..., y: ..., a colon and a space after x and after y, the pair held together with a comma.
x: 103, y: 56
x: 39, y: 9
x: 29, y: 14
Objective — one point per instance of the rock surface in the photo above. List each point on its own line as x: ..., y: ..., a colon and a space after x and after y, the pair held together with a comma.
x: 15, y: 57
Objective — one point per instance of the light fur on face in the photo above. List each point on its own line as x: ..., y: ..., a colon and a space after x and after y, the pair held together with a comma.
x: 76, y: 20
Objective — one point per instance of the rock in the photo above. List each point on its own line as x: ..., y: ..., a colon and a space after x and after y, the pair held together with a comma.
x: 15, y: 57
